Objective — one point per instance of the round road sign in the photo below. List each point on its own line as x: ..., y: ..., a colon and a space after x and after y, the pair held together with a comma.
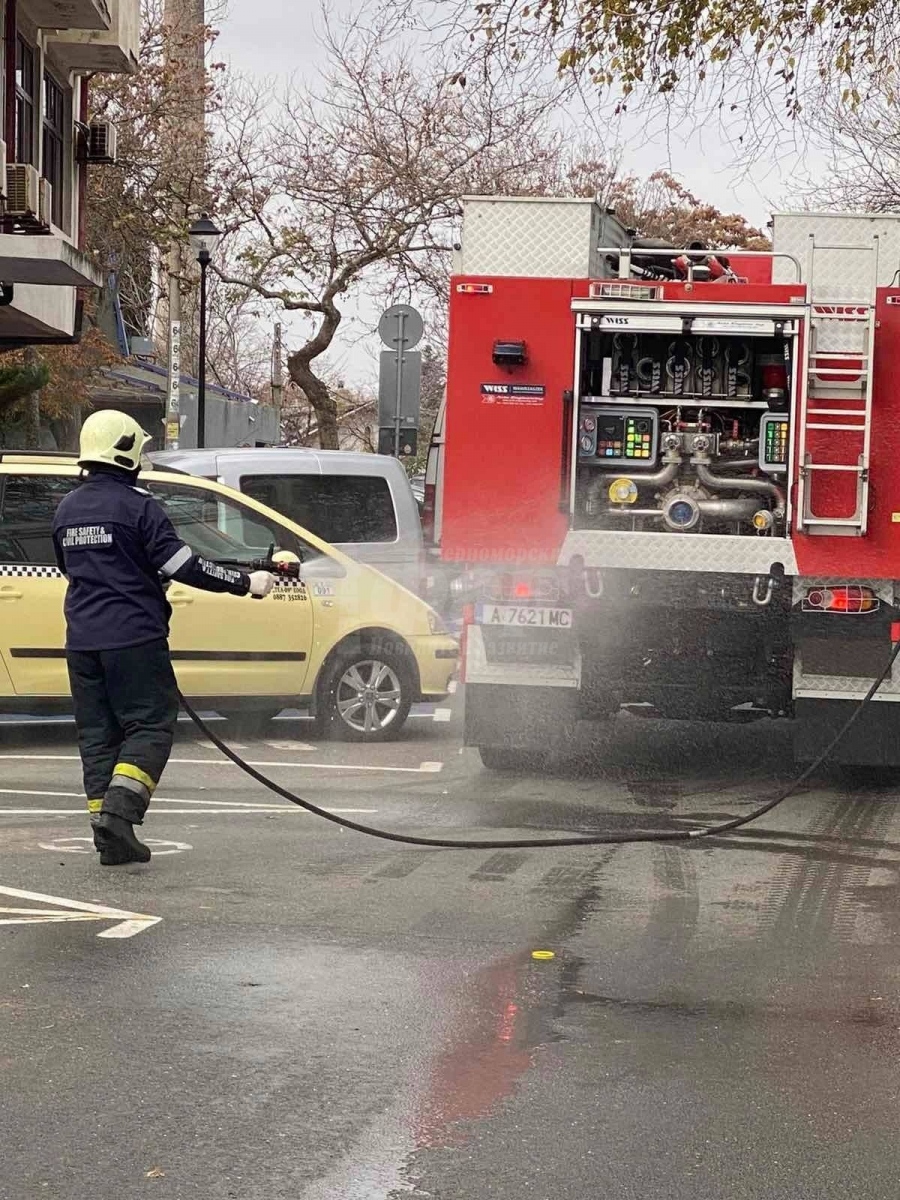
x: 390, y: 324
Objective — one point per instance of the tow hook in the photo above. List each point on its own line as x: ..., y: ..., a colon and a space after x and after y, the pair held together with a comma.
x: 763, y: 588
x: 593, y: 583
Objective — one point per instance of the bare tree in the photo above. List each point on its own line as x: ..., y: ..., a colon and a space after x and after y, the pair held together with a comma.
x: 862, y: 146
x: 357, y: 417
x: 361, y: 180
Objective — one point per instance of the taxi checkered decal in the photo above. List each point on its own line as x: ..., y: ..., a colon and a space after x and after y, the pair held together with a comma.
x: 28, y: 571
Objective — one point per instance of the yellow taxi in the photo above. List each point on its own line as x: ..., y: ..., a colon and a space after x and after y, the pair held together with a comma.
x: 343, y: 641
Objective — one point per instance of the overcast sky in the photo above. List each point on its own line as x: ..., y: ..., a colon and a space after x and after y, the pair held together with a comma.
x: 275, y: 38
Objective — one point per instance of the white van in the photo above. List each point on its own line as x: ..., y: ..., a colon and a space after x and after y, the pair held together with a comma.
x: 360, y: 503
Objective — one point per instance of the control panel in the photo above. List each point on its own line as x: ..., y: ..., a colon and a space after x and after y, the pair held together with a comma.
x: 618, y: 437
x: 773, y: 442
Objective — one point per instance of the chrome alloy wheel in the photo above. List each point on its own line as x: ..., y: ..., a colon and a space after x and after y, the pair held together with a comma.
x: 368, y: 696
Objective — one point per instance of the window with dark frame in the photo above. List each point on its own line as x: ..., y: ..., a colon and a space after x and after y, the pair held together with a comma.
x: 54, y: 144
x: 339, y: 509
x: 24, y: 148
x: 219, y: 528
x: 27, y: 507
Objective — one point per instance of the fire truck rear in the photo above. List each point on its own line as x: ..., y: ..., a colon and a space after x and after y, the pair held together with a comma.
x: 671, y: 477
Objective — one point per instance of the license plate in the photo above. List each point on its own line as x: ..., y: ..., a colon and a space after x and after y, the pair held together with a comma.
x: 525, y: 616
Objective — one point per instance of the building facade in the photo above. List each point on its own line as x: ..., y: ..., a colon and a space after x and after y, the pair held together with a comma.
x: 49, y: 50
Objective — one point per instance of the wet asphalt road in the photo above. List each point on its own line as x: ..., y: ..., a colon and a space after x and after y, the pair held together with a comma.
x: 324, y: 1017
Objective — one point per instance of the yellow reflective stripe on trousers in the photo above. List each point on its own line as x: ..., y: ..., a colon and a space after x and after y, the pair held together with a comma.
x: 132, y: 772
x: 94, y: 806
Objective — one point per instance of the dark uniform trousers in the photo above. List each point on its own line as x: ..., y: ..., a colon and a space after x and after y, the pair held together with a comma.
x: 126, y: 709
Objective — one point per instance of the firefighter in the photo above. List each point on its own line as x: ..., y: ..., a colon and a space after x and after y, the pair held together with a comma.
x: 116, y: 546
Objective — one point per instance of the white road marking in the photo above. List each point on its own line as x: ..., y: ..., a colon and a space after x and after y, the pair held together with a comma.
x: 27, y: 792
x: 72, y: 845
x: 426, y: 768
x: 296, y: 746
x: 443, y: 714
x: 452, y: 686
x: 195, y: 808
x: 127, y: 923
x: 226, y: 804
x: 221, y: 805
x: 182, y: 812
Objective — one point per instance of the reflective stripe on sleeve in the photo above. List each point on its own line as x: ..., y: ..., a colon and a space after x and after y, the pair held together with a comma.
x: 94, y: 806
x: 177, y: 561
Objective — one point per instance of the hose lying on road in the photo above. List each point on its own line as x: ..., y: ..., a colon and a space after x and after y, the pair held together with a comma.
x: 600, y: 839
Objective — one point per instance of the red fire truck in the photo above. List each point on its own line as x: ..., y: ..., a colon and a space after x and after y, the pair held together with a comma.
x: 669, y: 479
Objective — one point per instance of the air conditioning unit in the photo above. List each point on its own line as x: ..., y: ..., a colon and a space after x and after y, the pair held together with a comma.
x: 101, y: 142
x: 45, y: 207
x: 23, y: 190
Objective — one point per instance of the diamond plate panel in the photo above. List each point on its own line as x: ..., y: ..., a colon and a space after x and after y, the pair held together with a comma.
x: 833, y: 334
x: 884, y: 695
x: 678, y: 552
x: 823, y: 687
x: 839, y: 275
x: 535, y: 237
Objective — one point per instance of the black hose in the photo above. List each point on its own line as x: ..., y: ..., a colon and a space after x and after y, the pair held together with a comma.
x: 605, y: 839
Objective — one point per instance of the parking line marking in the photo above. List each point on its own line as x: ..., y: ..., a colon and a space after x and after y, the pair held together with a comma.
x: 172, y: 800
x: 127, y: 923
x: 426, y: 768
x: 197, y: 808
x: 443, y: 714
x: 183, y: 812
x: 286, y: 745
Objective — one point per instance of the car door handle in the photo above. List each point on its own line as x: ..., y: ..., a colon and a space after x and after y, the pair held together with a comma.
x: 7, y: 593
x: 177, y: 598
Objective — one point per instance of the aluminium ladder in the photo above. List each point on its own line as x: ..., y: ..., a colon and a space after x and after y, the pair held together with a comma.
x: 837, y: 397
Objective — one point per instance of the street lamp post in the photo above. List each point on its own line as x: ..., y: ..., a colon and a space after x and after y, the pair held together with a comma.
x: 204, y: 237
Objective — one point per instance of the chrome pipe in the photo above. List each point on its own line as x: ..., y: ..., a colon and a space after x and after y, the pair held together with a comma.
x: 724, y: 483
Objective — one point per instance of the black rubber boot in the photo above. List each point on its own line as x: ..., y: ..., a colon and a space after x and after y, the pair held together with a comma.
x: 100, y: 836
x: 118, y: 842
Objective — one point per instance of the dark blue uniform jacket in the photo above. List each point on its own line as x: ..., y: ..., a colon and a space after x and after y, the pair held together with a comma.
x: 116, y: 546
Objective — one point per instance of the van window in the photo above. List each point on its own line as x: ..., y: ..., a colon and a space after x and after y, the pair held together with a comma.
x: 337, y: 508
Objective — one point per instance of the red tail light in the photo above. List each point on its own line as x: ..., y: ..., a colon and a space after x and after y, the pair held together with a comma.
x: 843, y: 598
x: 468, y: 618
x: 428, y: 511
x: 542, y: 586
